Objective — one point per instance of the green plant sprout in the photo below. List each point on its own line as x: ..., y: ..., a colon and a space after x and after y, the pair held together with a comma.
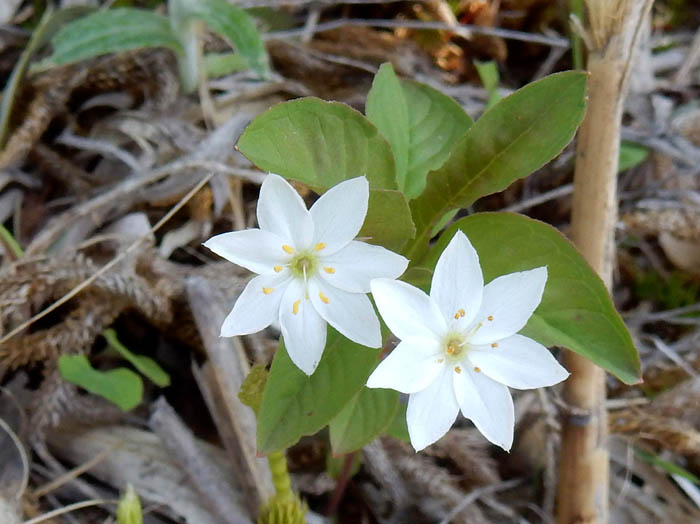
x: 125, y: 28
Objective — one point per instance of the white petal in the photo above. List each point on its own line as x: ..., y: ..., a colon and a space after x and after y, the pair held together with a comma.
x: 351, y: 314
x: 339, y: 214
x: 487, y: 404
x: 431, y: 412
x: 407, y: 310
x: 354, y: 266
x: 411, y: 367
x: 254, y: 249
x: 282, y: 211
x: 509, y: 302
x: 303, y: 329
x: 257, y: 306
x: 457, y: 282
x: 518, y: 362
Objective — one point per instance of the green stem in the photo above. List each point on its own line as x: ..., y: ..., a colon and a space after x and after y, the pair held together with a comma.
x: 11, y: 242
x: 576, y: 9
x: 280, y: 475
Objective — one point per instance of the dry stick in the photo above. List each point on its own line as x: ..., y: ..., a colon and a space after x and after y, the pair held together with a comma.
x: 583, y: 471
x: 109, y: 265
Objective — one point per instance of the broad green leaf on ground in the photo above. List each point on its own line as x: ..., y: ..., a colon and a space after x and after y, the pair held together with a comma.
x: 366, y: 416
x: 386, y: 108
x: 437, y: 123
x: 631, y: 154
x: 295, y: 405
x: 514, y: 138
x: 120, y: 386
x: 576, y: 311
x: 235, y: 25
x: 111, y: 31
x: 320, y: 144
x: 145, y: 365
x: 388, y: 222
x: 421, y: 124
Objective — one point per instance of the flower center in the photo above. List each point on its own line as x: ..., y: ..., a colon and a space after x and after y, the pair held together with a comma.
x: 455, y: 347
x: 303, y: 265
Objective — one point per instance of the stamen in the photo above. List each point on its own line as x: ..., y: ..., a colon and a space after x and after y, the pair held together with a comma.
x: 494, y: 345
x: 460, y: 313
x: 295, y: 307
x: 440, y: 360
x: 458, y: 369
x: 329, y: 270
x: 288, y: 249
x: 324, y: 298
x: 319, y: 246
x: 277, y: 269
x: 478, y: 370
x: 489, y: 318
x: 451, y: 349
x: 268, y: 290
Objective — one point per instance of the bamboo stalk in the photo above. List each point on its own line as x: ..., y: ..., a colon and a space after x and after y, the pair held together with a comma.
x: 613, y: 26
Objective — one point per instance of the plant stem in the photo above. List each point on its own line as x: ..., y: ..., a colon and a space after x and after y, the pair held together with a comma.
x: 583, y: 474
x: 280, y: 475
x: 341, y: 485
x: 11, y: 242
x: 576, y: 9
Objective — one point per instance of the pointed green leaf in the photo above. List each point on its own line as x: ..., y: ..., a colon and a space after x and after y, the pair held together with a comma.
x: 514, y: 138
x: 421, y: 124
x: 366, y: 416
x: 320, y: 144
x: 111, y: 31
x: 295, y: 405
x: 232, y: 23
x: 120, y: 386
x: 388, y: 222
x: 631, y: 154
x: 145, y: 365
x: 576, y: 311
x: 386, y: 108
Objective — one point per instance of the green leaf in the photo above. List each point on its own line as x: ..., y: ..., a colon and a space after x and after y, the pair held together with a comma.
x: 295, y: 404
x: 222, y: 64
x: 666, y: 465
x: 631, y: 155
x: 145, y: 365
x: 576, y: 311
x: 511, y: 140
x: 111, y: 31
x: 398, y: 427
x: 388, y: 222
x: 387, y: 109
x: 320, y: 144
x: 234, y: 24
x: 437, y: 123
x: 488, y: 73
x: 367, y: 415
x: 120, y: 386
x: 421, y: 124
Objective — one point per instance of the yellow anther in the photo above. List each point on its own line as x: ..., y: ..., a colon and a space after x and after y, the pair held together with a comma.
x: 324, y: 298
x: 268, y: 290
x: 288, y: 249
x: 295, y: 307
x: 478, y: 370
x: 494, y: 345
x: 319, y: 246
x: 277, y: 269
x: 490, y: 317
x: 440, y: 360
x: 460, y: 313
x: 458, y: 369
x: 451, y: 349
x: 329, y: 270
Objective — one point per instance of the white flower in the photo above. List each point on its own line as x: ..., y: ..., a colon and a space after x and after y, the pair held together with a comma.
x: 310, y: 270
x: 459, y: 347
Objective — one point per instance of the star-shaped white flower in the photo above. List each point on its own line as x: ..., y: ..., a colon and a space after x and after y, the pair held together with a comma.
x: 460, y: 348
x: 310, y: 270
